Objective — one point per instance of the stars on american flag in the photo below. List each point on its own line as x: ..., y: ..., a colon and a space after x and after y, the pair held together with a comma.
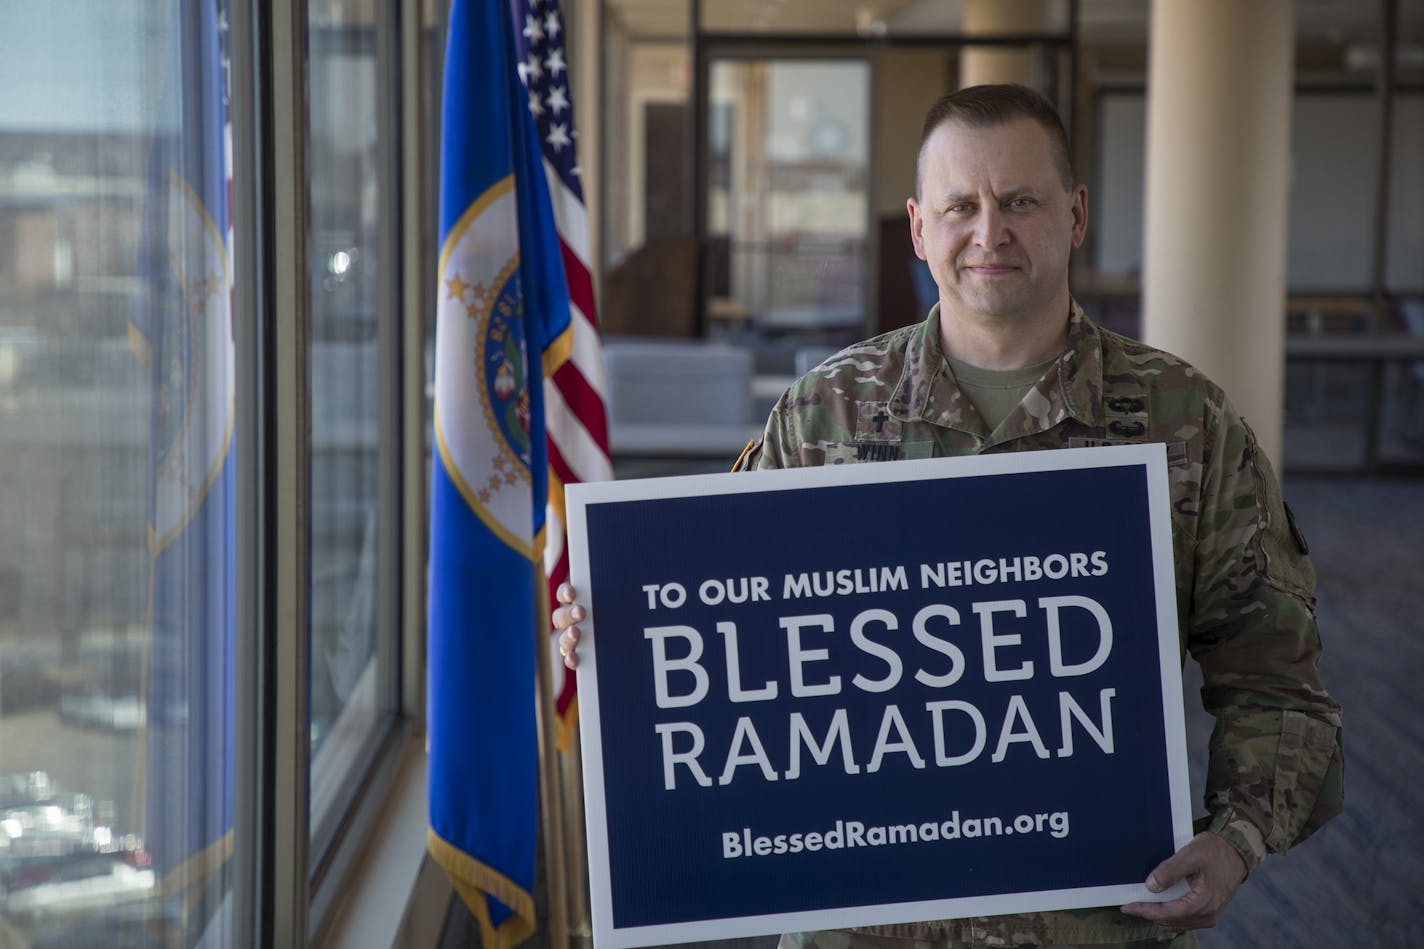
x: 558, y: 137
x: 544, y: 70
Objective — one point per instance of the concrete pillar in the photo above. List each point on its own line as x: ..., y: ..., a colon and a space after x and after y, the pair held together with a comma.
x: 981, y: 64
x: 1218, y: 180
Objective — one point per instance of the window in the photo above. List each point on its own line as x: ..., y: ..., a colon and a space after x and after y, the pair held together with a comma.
x: 118, y: 412
x: 352, y: 448
x: 146, y: 635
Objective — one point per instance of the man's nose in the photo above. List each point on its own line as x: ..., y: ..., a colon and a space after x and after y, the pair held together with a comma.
x: 989, y: 230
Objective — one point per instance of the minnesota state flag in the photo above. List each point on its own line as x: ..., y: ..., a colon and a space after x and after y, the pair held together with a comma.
x: 508, y: 343
x: 182, y: 328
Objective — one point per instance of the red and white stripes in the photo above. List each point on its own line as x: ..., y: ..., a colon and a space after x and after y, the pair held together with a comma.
x: 575, y: 418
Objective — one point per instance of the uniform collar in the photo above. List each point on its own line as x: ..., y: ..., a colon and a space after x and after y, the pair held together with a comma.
x: 1071, y: 387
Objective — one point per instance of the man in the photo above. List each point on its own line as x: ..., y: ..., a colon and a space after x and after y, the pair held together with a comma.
x: 1007, y: 362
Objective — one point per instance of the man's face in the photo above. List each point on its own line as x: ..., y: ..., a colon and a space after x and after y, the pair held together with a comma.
x: 994, y: 220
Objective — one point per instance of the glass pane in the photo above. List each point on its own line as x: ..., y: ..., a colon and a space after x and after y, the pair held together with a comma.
x: 1409, y: 45
x: 433, y: 17
x: 1119, y: 186
x: 1332, y: 192
x: 1401, y: 432
x: 117, y: 410
x: 1327, y: 412
x: 788, y: 198
x: 1401, y: 420
x: 648, y: 248
x: 869, y: 20
x: 1404, y: 261
x: 347, y: 287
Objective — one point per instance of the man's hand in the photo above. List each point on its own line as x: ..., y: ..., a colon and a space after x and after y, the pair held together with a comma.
x: 564, y: 619
x: 1213, y: 870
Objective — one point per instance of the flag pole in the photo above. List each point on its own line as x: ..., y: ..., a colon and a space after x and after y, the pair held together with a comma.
x: 551, y: 798
x: 575, y: 846
x: 585, y: 31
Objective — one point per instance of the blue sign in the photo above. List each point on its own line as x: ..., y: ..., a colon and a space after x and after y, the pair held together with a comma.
x: 881, y: 693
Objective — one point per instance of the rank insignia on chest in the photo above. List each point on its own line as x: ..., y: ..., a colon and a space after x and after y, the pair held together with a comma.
x: 1177, y: 456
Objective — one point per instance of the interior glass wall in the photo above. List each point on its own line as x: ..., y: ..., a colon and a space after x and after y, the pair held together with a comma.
x: 787, y: 202
x: 649, y: 253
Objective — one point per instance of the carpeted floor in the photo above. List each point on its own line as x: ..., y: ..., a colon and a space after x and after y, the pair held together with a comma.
x: 1360, y: 880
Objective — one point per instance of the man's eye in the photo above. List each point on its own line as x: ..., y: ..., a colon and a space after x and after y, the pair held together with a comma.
x: 960, y: 208
x: 1021, y: 203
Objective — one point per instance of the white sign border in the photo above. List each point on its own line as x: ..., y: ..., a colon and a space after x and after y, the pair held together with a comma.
x: 579, y: 497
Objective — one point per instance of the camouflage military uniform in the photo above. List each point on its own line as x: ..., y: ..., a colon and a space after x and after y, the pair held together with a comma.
x: 1245, y: 596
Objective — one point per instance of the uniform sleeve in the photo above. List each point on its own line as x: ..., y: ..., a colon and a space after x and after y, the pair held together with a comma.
x: 777, y: 447
x: 1275, y: 772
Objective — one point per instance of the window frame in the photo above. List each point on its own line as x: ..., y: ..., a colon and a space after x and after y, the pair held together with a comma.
x: 291, y: 870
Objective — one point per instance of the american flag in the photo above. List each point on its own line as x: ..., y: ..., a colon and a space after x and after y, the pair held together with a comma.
x: 573, y: 367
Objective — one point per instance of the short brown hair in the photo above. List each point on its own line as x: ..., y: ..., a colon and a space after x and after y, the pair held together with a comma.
x: 990, y: 105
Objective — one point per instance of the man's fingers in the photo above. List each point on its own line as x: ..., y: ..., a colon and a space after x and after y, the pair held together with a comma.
x: 564, y: 619
x: 1212, y: 870
x: 1174, y: 868
x: 1179, y: 914
x: 566, y: 616
x: 568, y: 646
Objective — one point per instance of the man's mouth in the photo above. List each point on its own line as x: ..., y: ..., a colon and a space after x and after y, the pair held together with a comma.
x: 991, y: 269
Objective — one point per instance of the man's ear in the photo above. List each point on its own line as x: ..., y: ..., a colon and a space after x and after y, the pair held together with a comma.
x: 1080, y: 215
x: 917, y: 224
